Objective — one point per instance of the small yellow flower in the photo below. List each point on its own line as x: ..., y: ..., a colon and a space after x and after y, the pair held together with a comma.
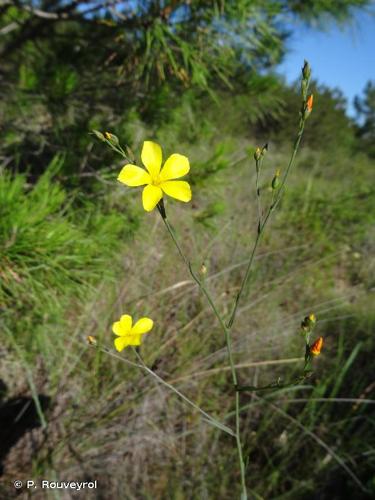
x: 158, y: 180
x: 129, y: 334
x: 317, y: 346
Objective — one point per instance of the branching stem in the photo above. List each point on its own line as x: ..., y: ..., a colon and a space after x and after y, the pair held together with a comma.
x: 227, y: 327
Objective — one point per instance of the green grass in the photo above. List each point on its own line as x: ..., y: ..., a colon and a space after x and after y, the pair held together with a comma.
x: 56, y: 248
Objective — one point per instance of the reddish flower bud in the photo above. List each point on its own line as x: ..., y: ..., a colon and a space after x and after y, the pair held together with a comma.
x: 317, y: 346
x: 309, y: 103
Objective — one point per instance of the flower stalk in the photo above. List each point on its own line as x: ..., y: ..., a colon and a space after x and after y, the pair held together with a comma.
x: 141, y: 364
x: 228, y: 341
x: 161, y: 180
x: 226, y: 327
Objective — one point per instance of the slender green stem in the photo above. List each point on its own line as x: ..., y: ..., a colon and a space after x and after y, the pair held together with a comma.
x: 291, y: 162
x: 208, y: 417
x: 262, y: 225
x: 226, y: 331
x: 227, y: 327
x: 203, y: 288
x: 239, y: 449
x: 244, y: 281
x: 259, y: 202
x: 275, y: 385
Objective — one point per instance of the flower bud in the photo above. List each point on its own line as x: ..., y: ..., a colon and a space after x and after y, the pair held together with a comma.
x: 309, y: 103
x: 306, y: 71
x: 257, y: 154
x: 99, y: 135
x: 309, y: 322
x: 275, y: 181
x: 307, y: 106
x: 113, y: 139
x: 203, y: 270
x: 316, y: 347
x: 91, y: 340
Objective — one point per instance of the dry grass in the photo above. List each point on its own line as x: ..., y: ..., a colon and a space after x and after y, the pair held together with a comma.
x: 111, y: 422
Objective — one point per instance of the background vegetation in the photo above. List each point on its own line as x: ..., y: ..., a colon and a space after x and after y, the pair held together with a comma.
x: 76, y: 251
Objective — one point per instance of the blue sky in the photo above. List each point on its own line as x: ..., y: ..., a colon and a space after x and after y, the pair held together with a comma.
x: 341, y: 57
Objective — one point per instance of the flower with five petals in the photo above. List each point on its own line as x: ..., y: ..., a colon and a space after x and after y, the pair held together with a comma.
x: 158, y: 181
x: 129, y: 334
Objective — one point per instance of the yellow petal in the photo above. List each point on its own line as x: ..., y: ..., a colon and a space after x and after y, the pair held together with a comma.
x: 126, y: 323
x: 143, y: 325
x: 116, y: 328
x: 152, y: 157
x: 121, y: 343
x: 151, y: 196
x: 131, y: 175
x: 134, y: 339
x: 176, y: 166
x: 124, y: 326
x: 177, y: 189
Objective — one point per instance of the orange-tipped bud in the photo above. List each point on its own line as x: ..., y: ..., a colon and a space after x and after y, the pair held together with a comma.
x: 309, y: 103
x: 317, y: 346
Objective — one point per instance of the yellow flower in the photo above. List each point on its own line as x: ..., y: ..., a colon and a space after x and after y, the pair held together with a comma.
x: 129, y: 334
x: 158, y: 180
x: 317, y: 346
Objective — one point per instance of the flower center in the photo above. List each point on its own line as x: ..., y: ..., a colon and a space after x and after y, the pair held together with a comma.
x: 156, y: 181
